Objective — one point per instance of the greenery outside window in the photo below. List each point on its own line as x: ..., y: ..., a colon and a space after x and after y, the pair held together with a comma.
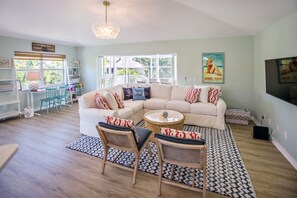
x: 51, y: 67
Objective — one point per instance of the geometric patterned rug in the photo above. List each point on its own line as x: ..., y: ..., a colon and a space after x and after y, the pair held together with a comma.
x: 226, y: 173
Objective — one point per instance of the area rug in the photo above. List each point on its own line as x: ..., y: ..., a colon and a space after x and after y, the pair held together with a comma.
x: 226, y: 173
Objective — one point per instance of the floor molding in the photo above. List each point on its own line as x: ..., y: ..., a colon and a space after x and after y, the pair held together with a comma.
x: 292, y: 161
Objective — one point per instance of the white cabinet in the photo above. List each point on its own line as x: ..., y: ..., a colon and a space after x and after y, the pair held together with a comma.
x: 9, y: 93
x: 74, y: 80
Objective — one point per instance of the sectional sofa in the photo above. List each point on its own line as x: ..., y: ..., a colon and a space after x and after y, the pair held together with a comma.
x: 169, y: 97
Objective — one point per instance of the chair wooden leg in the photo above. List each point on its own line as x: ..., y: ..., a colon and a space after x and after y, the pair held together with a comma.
x: 135, y: 167
x: 148, y: 146
x: 160, y: 177
x: 104, y: 160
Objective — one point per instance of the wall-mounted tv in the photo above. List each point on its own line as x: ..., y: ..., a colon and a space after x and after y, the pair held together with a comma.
x: 281, y: 78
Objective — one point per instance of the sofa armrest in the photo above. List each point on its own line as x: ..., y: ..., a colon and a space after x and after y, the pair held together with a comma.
x: 94, y: 115
x: 221, y: 107
x: 82, y: 103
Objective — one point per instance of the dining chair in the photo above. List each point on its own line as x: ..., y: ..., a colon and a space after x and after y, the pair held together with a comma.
x: 62, y: 95
x: 50, y: 99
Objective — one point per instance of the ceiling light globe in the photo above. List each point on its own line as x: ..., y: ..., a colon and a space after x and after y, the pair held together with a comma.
x: 106, y: 30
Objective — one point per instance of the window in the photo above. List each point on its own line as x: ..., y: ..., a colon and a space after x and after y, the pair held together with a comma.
x: 132, y: 69
x: 50, y: 66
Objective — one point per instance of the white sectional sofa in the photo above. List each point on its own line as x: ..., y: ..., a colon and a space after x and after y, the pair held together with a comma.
x: 169, y: 97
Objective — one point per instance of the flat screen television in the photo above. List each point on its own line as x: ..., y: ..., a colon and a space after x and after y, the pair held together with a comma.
x: 281, y: 78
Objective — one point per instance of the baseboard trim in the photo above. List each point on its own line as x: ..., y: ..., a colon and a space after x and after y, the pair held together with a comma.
x: 283, y: 151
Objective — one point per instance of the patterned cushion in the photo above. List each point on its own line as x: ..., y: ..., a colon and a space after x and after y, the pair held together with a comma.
x: 118, y: 100
x: 181, y: 134
x: 138, y: 93
x: 122, y: 123
x: 213, y: 95
x: 112, y: 103
x: 192, y: 95
x: 101, y: 102
x: 128, y: 94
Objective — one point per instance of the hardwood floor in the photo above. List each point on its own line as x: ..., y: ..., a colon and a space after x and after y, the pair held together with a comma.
x: 43, y: 167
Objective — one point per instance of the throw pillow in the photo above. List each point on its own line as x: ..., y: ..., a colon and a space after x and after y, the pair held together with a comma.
x: 203, y: 96
x: 138, y: 93
x: 181, y: 134
x: 192, y: 95
x: 213, y: 95
x: 147, y: 92
x: 112, y: 103
x: 118, y: 100
x: 101, y: 102
x: 122, y: 122
x: 128, y: 94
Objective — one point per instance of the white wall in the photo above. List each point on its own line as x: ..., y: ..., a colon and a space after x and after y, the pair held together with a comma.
x: 239, y: 57
x: 9, y: 45
x: 279, y: 40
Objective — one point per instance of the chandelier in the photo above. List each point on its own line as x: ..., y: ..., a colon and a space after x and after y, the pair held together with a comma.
x: 106, y: 30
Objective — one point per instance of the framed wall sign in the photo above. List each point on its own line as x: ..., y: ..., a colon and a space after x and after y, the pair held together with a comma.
x: 213, y: 67
x: 4, y: 63
x: 43, y: 47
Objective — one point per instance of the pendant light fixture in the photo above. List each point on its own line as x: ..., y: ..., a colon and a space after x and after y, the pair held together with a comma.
x: 106, y: 30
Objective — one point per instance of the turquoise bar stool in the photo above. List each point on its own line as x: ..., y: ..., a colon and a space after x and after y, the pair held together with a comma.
x: 62, y: 95
x: 50, y: 99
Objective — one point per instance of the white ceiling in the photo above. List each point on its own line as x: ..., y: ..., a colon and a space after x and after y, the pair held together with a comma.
x: 69, y: 21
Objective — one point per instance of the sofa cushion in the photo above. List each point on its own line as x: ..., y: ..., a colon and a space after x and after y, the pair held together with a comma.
x: 203, y: 96
x: 147, y: 92
x: 136, y: 106
x: 160, y: 91
x: 112, y: 103
x: 117, y: 89
x: 125, y: 113
x: 203, y: 108
x: 181, y: 134
x: 101, y: 102
x: 155, y: 103
x: 138, y: 93
x: 179, y: 140
x: 119, y: 122
x: 178, y: 92
x: 89, y: 98
x: 193, y: 95
x: 118, y: 100
x: 178, y: 105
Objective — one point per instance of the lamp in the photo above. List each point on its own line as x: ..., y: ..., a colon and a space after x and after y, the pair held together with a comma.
x: 33, y: 76
x: 106, y: 30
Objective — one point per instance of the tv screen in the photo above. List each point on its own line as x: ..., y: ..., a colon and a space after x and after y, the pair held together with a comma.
x: 281, y: 78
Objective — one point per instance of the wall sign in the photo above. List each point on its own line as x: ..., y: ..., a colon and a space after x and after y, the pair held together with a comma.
x: 213, y: 67
x: 43, y: 47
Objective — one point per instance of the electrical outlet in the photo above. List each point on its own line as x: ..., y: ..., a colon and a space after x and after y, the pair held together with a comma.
x: 262, y: 117
x: 285, y: 135
x: 269, y: 122
x: 5, y: 107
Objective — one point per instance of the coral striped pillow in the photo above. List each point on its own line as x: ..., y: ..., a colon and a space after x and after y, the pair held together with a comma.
x: 181, y: 134
x: 192, y: 95
x: 123, y: 123
x: 213, y: 95
x: 101, y: 102
x: 118, y: 100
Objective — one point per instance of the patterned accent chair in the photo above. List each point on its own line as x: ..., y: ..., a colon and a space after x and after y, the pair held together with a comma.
x: 123, y: 138
x: 181, y: 152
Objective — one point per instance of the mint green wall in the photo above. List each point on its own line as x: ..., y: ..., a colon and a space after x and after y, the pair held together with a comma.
x: 9, y: 45
x: 279, y: 40
x: 239, y: 61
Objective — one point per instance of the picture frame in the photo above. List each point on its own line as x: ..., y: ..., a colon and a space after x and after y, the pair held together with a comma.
x: 4, y: 63
x: 19, y: 85
x: 287, y: 70
x: 41, y: 47
x: 213, y: 67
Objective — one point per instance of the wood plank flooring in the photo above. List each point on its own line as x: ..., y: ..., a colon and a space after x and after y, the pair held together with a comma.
x: 43, y: 167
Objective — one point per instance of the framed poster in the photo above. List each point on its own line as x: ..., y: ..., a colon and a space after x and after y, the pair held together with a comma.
x: 43, y: 47
x: 4, y: 63
x: 213, y: 67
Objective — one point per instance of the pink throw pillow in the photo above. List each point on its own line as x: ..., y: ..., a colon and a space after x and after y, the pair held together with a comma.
x: 192, y: 95
x: 119, y: 101
x: 181, y: 134
x: 213, y: 95
x: 101, y: 102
